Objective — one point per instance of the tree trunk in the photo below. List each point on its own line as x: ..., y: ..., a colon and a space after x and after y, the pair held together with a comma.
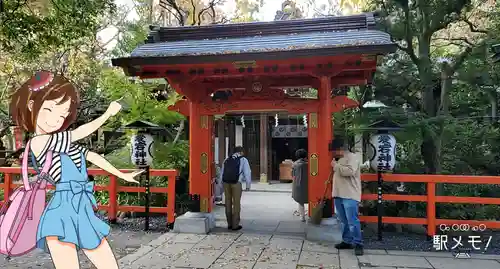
x: 424, y: 65
x: 494, y: 109
x: 431, y: 152
x: 179, y: 132
x: 446, y: 87
x: 431, y: 144
x: 494, y: 104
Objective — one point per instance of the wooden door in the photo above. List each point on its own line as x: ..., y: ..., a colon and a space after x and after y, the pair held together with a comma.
x: 251, y: 144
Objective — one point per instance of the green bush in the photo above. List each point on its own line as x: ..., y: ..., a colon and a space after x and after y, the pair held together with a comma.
x: 166, y: 156
x: 468, y: 148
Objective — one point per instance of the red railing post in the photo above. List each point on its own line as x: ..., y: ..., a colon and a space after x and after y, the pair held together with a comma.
x: 113, y: 199
x: 7, y: 186
x: 171, y: 197
x: 431, y: 208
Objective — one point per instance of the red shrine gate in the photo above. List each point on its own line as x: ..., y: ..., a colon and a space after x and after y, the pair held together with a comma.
x: 252, y: 64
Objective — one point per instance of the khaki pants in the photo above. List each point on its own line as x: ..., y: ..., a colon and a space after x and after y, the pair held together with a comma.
x: 232, y: 195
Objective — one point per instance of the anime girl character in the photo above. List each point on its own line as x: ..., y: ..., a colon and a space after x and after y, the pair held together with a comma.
x: 46, y: 105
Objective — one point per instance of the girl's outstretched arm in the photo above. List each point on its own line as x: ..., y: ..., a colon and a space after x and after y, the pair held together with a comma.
x: 106, y: 166
x: 88, y: 128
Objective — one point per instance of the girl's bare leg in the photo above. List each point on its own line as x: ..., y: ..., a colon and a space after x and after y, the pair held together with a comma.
x: 102, y: 257
x: 63, y: 255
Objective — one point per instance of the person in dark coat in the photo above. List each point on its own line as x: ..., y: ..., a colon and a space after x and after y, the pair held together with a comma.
x: 300, y: 181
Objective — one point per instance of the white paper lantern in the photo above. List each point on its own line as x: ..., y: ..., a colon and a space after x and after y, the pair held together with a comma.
x: 382, y: 152
x: 142, y: 149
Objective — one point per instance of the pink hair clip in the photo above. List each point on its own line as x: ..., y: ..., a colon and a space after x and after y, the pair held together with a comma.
x: 42, y: 80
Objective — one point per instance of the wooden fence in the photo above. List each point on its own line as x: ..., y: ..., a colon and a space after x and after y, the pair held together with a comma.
x: 113, y: 189
x: 431, y: 199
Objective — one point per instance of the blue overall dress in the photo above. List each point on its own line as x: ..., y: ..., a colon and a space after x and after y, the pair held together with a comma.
x: 70, y: 215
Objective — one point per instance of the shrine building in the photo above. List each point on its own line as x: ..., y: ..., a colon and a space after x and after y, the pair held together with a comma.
x: 270, y: 87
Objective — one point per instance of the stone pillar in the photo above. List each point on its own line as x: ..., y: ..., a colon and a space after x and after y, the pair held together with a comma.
x: 264, y: 133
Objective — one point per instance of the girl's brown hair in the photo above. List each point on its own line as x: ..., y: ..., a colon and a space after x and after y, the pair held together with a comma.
x: 30, y: 91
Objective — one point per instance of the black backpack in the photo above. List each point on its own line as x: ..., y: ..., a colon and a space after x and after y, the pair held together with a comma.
x: 231, y: 170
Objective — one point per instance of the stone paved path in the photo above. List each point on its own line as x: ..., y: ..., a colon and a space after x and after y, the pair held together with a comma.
x: 273, y: 238
x: 280, y: 251
x: 123, y: 242
x: 263, y: 206
x: 273, y: 186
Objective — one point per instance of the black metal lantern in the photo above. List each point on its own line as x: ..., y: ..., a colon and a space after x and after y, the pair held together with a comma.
x: 382, y: 158
x: 145, y: 128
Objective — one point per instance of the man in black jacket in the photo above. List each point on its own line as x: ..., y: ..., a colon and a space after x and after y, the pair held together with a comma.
x: 235, y: 171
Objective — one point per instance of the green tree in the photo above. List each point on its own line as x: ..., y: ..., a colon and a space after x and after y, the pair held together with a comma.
x: 30, y: 28
x: 416, y: 27
x: 139, y: 98
x: 54, y: 37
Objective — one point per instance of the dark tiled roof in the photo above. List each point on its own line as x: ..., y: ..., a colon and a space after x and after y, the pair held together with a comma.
x: 271, y: 43
x: 364, y: 21
x: 260, y: 40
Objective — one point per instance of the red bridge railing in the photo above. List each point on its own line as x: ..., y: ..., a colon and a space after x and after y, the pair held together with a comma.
x: 113, y: 189
x: 431, y: 199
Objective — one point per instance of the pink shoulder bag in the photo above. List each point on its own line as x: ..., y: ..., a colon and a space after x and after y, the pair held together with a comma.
x: 21, y: 212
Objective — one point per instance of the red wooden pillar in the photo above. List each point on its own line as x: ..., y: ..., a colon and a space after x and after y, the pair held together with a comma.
x: 315, y: 188
x: 113, y: 198
x: 200, y: 155
x: 326, y: 135
x: 319, y: 137
x: 208, y: 204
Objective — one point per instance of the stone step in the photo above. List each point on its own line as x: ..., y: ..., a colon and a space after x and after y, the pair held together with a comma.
x: 195, y: 223
x: 328, y: 231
